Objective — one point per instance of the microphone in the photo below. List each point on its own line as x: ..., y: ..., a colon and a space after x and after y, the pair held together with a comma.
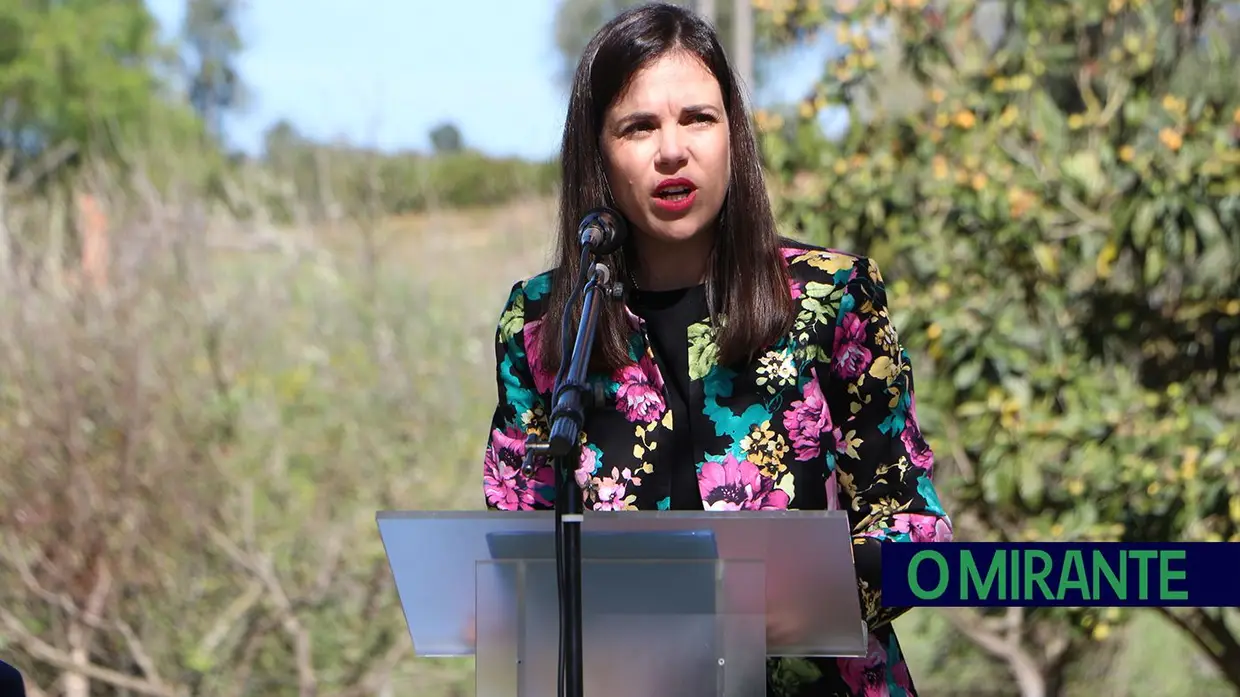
x: 603, y: 230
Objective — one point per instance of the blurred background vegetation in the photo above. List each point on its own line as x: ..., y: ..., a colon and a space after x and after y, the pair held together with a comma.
x: 215, y: 366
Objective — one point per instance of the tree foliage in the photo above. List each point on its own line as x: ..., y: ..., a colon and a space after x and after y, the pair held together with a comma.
x: 79, y: 75
x: 446, y: 138
x: 1060, y: 217
x: 328, y: 180
x: 577, y: 20
x: 213, y: 39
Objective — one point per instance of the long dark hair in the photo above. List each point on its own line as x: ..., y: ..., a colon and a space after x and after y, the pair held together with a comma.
x: 747, y: 280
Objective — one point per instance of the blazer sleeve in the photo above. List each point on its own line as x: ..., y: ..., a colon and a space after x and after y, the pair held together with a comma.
x: 519, y: 412
x: 883, y: 465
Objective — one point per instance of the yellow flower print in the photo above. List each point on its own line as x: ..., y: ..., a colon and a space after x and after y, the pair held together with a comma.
x: 847, y: 485
x: 766, y: 449
x: 883, y: 368
x: 534, y: 421
x: 827, y: 261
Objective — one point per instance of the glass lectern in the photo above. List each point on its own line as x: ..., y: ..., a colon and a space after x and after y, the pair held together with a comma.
x: 674, y: 604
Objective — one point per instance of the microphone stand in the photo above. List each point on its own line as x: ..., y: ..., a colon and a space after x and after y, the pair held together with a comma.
x: 571, y: 397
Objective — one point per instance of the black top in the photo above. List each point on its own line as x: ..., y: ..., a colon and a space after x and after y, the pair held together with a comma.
x: 668, y: 315
x: 11, y: 683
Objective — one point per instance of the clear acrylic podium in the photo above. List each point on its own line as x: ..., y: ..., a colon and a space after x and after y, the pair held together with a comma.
x: 674, y: 604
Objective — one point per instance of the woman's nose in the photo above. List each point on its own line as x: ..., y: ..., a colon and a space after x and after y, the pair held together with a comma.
x: 672, y: 149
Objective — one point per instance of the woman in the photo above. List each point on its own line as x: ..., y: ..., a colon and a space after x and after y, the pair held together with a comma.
x: 743, y: 371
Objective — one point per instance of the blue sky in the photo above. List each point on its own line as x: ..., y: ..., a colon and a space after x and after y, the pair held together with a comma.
x: 384, y: 77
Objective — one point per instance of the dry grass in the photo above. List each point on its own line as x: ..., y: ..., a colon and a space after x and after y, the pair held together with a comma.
x: 488, y: 244
x: 193, y: 455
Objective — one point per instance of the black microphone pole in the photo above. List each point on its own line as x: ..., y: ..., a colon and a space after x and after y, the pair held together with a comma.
x: 602, y: 231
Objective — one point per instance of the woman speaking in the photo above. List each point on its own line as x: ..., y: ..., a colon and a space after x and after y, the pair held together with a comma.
x: 743, y: 371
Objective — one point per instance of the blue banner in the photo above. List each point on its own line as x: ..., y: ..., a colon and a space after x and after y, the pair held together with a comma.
x: 1064, y: 574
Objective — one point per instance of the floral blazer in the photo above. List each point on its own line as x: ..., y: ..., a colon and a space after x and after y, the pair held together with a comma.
x: 824, y: 419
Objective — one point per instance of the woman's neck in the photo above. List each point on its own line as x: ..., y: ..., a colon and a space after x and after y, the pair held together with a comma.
x: 665, y: 265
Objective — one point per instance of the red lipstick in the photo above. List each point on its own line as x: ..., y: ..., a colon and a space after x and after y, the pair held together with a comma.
x: 675, y: 195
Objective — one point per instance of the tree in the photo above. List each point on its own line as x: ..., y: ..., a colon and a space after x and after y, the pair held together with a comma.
x: 79, y: 83
x: 211, y: 33
x: 446, y: 138
x: 577, y: 20
x: 1060, y: 219
x: 75, y: 77
x: 279, y: 141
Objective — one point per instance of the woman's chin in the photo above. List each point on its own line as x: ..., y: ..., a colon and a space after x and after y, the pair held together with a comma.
x: 676, y: 232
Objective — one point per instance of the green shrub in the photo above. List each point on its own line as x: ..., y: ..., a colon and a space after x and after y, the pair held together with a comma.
x: 357, y: 182
x: 461, y: 180
x: 1057, y: 214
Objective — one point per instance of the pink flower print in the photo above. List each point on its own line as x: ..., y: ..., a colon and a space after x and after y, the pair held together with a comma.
x: 586, y: 467
x: 794, y: 287
x: 612, y: 491
x: 899, y: 671
x: 544, y: 376
x: 922, y: 528
x: 640, y: 395
x: 867, y: 676
x: 851, y: 354
x: 833, y: 492
x: 733, y: 485
x: 809, y: 420
x: 635, y: 323
x: 919, y: 452
x: 506, y: 487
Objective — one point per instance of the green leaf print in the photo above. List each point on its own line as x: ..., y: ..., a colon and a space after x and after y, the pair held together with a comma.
x: 520, y: 397
x: 790, y: 674
x: 703, y: 351
x: 718, y: 384
x: 820, y: 308
x: 513, y: 319
x: 538, y: 286
x: 815, y: 289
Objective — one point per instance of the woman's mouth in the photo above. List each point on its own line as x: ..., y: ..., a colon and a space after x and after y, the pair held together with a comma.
x: 675, y: 195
